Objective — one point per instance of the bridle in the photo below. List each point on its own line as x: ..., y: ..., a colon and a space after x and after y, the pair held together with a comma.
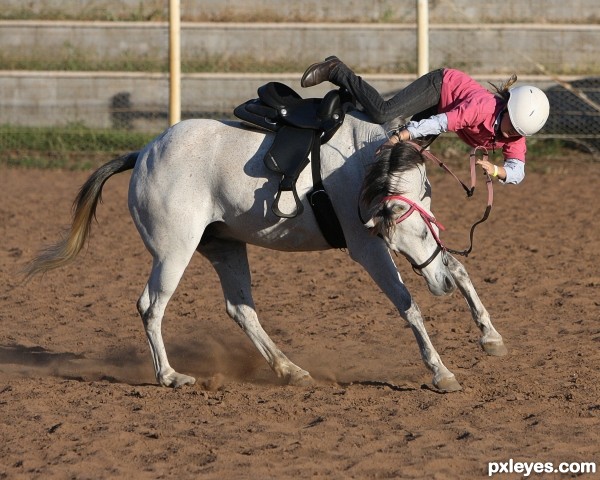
x: 430, y: 220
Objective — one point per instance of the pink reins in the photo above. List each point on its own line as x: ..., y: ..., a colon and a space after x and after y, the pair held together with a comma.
x: 430, y: 220
x: 468, y: 190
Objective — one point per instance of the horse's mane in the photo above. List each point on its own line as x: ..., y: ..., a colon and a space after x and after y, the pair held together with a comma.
x: 382, y: 177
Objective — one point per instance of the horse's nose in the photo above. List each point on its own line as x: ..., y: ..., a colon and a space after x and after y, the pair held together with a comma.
x: 449, y: 284
x: 443, y: 285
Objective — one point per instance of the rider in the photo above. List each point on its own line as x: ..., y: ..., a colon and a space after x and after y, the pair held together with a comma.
x: 449, y: 100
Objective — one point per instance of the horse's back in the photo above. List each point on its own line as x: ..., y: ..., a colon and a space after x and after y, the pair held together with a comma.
x: 197, y: 156
x: 197, y: 143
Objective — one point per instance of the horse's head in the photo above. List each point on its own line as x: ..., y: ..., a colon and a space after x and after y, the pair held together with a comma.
x: 399, y: 195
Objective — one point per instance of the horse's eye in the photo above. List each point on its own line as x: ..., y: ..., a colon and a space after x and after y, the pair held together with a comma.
x: 398, y: 208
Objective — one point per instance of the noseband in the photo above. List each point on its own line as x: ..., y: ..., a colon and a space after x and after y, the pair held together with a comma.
x: 430, y: 221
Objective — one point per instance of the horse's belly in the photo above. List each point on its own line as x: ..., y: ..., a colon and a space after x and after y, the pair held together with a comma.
x: 290, y: 235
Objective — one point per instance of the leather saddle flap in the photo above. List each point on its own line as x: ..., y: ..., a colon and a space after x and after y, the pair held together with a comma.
x: 288, y: 154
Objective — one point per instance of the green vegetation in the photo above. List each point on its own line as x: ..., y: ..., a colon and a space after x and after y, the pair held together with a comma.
x: 73, y: 59
x: 72, y: 147
x: 162, y: 15
x: 90, y: 14
x: 450, y: 145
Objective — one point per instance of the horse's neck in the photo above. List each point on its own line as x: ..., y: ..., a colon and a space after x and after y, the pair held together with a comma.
x: 356, y: 135
x: 364, y: 130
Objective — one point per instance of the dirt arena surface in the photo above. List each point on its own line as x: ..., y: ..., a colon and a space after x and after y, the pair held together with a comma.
x: 78, y: 398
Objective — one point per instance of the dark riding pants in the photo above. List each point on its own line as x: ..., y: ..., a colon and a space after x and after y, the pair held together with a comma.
x: 418, y: 99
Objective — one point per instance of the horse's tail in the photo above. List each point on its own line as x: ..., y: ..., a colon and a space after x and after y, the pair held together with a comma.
x: 84, y: 211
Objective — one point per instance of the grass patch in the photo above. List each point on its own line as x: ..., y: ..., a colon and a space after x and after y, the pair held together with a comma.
x: 72, y: 147
x: 100, y: 13
x: 158, y: 12
x: 72, y: 59
x: 544, y: 155
x: 450, y: 145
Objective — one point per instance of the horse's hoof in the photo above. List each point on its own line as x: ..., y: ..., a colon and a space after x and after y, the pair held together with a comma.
x: 301, y: 379
x: 176, y: 380
x: 447, y: 384
x: 495, y: 349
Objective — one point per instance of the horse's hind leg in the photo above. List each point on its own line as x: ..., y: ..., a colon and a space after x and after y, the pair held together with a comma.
x: 165, y: 276
x: 230, y: 260
x: 491, y: 341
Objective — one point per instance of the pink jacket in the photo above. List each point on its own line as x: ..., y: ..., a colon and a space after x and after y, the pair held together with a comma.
x: 471, y: 110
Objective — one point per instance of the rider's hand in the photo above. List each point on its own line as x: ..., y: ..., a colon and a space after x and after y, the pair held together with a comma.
x: 491, y: 169
x: 396, y: 137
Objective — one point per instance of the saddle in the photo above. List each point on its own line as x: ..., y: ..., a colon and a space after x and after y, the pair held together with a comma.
x: 301, y: 126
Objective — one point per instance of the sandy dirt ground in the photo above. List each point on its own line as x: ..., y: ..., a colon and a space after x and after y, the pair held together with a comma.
x: 78, y: 398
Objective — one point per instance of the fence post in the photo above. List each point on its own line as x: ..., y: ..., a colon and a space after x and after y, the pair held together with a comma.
x: 422, y: 37
x: 174, y: 62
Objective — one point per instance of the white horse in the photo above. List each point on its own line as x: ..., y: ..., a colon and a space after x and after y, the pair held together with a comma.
x: 202, y: 186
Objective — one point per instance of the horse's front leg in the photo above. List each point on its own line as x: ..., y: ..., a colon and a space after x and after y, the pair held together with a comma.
x: 443, y: 378
x: 230, y: 260
x: 491, y: 341
x: 378, y: 263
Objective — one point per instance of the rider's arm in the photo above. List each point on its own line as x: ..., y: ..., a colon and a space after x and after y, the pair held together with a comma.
x: 433, y: 125
x: 514, y: 171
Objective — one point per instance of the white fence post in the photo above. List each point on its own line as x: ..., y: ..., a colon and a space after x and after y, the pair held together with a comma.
x: 174, y: 62
x: 422, y: 37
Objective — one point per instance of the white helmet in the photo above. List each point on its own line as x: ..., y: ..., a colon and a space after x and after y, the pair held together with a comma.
x: 528, y: 109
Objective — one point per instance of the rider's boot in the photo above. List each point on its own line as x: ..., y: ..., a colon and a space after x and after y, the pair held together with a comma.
x: 319, y: 72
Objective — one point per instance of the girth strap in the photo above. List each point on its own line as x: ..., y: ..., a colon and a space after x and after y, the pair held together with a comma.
x: 320, y: 202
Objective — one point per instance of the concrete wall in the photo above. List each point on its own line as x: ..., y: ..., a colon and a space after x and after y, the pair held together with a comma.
x: 486, y: 48
x: 398, y: 11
